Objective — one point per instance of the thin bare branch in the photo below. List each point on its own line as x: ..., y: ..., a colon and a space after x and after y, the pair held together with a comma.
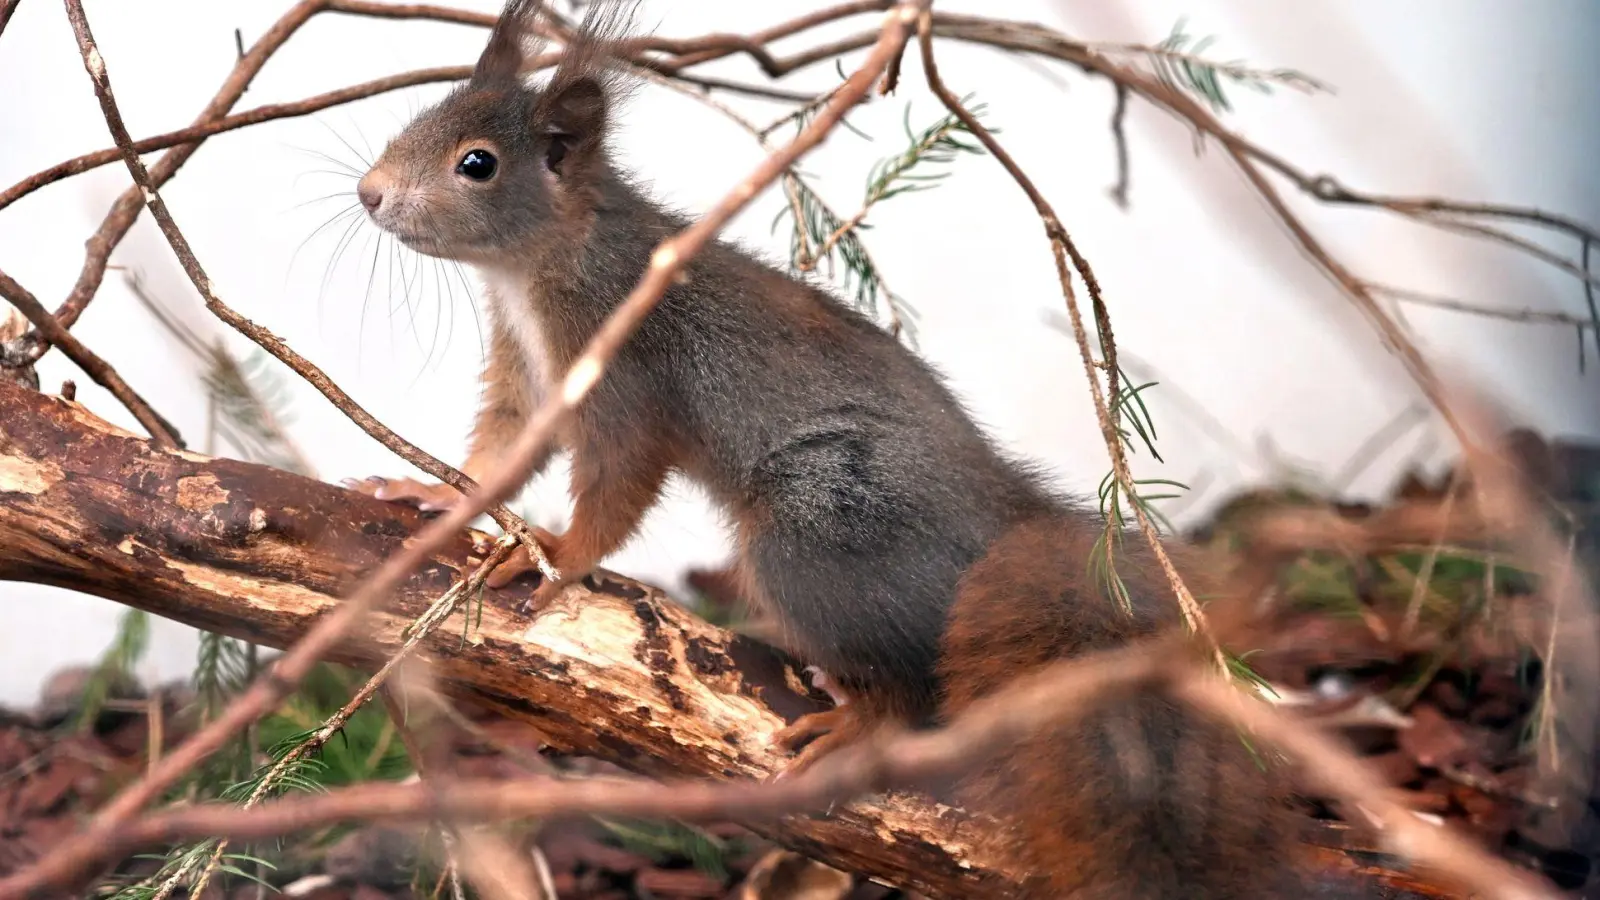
x: 1329, y: 190
x: 195, y: 133
x: 126, y: 209
x: 1063, y: 248
x: 1531, y: 316
x: 274, y: 111
x: 7, y: 7
x: 1119, y: 139
x: 101, y: 371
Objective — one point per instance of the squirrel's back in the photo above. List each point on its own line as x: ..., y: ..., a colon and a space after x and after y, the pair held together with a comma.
x: 859, y: 485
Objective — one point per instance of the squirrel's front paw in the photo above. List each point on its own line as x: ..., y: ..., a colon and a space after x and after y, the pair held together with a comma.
x: 424, y: 496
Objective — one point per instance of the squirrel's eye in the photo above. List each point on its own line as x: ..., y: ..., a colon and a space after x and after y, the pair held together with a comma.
x: 479, y: 165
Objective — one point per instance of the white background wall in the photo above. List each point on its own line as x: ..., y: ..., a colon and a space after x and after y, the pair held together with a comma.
x: 1474, y: 99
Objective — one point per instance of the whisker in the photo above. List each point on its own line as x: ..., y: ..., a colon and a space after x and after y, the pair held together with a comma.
x: 366, y: 302
x: 345, y: 240
x: 347, y: 145
x: 422, y: 368
x: 372, y: 275
x: 328, y: 172
x: 405, y: 299
x: 323, y: 199
x: 327, y: 157
x: 418, y: 282
x: 472, y: 303
x: 438, y: 316
x: 444, y: 309
x: 339, y: 247
x: 364, y: 142
x: 439, y: 299
x: 352, y: 209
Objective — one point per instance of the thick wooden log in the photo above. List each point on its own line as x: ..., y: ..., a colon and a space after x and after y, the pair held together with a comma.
x: 614, y: 669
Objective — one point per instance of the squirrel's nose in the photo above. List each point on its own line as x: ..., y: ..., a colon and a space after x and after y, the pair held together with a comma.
x: 371, y: 195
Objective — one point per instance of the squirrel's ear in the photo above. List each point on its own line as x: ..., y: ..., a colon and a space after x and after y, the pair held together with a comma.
x: 501, y: 59
x: 576, y: 108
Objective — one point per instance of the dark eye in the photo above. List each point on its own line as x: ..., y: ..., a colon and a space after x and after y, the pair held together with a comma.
x: 557, y: 151
x: 479, y: 165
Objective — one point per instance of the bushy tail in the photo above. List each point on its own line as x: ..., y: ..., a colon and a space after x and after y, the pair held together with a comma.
x: 1141, y: 800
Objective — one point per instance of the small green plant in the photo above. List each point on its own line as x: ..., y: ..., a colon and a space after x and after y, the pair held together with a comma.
x: 191, y: 857
x: 662, y: 840
x: 116, y: 666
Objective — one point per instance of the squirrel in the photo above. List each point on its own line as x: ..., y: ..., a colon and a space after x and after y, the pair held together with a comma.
x: 907, y: 557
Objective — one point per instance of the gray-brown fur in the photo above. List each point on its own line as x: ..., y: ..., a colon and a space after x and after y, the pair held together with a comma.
x: 861, y: 492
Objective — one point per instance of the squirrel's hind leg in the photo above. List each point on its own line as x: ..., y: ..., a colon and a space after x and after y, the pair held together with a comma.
x: 816, y: 735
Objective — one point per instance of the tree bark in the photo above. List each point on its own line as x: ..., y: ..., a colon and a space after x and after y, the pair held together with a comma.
x: 614, y: 669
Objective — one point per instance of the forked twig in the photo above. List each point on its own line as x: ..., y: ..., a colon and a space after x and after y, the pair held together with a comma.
x: 160, y: 429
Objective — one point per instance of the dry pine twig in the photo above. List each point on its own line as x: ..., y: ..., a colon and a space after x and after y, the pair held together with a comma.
x: 1062, y: 249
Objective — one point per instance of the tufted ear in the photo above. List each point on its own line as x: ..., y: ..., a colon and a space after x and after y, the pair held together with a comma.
x: 502, y: 57
x: 573, y: 109
x: 577, y: 109
x: 572, y: 116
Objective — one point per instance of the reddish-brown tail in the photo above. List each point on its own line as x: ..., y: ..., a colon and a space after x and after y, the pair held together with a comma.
x: 1137, y: 801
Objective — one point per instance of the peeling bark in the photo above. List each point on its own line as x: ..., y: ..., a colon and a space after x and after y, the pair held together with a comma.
x: 614, y: 669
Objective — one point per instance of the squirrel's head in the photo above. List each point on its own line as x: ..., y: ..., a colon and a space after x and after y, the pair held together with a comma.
x: 498, y: 163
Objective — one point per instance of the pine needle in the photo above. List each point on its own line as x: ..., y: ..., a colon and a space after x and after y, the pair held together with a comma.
x: 819, y: 236
x: 1180, y: 64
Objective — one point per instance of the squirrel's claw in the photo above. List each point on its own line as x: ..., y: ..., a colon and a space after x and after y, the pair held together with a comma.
x: 520, y: 563
x: 827, y: 732
x: 427, y: 497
